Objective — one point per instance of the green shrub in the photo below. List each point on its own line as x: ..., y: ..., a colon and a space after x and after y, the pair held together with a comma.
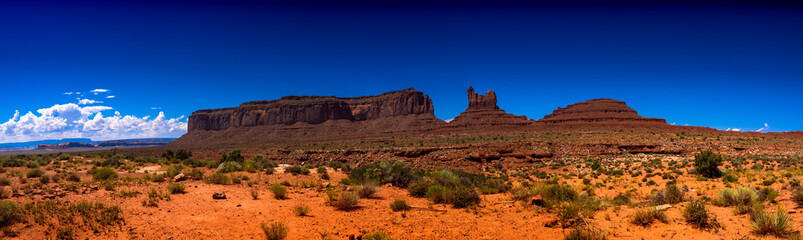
x: 218, y: 178
x: 35, y: 173
x: 567, y: 212
x: 5, y: 182
x: 301, y: 210
x: 10, y: 213
x: 697, y: 214
x: 398, y: 173
x: 584, y: 233
x: 778, y: 224
x: 741, y: 196
x: 767, y: 194
x: 279, y: 191
x: 378, y: 235
x: 104, y: 173
x: 73, y: 177
x: 522, y: 194
x: 673, y: 194
x: 229, y: 166
x: 464, y: 196
x: 647, y: 217
x: 730, y: 178
x: 399, y: 205
x: 621, y: 199
x: 44, y: 179
x: 555, y: 193
x: 797, y: 197
x: 297, y: 169
x: 176, y: 188
x: 276, y: 231
x: 346, y: 201
x: 366, y: 190
x: 707, y: 164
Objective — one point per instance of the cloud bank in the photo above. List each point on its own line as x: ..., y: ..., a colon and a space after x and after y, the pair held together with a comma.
x: 75, y: 120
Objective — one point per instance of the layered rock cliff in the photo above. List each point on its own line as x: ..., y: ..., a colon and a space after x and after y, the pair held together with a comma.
x: 313, y: 110
x: 603, y: 110
x: 483, y: 111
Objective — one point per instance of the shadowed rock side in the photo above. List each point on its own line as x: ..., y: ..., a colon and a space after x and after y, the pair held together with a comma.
x: 482, y: 111
x: 603, y: 110
x: 313, y: 109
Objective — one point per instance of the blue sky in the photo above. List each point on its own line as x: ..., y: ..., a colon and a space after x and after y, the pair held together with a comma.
x: 736, y: 65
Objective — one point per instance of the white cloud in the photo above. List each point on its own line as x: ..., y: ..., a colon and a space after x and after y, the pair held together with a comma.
x: 734, y: 129
x: 155, y: 108
x: 765, y: 128
x: 87, y: 101
x: 100, y: 90
x: 69, y: 93
x: 74, y: 121
x: 110, y: 96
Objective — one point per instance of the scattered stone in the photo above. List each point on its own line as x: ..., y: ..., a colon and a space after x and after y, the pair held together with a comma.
x: 180, y: 177
x: 220, y: 195
x: 662, y: 207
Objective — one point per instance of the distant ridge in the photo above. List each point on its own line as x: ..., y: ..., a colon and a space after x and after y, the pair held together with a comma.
x: 83, y: 142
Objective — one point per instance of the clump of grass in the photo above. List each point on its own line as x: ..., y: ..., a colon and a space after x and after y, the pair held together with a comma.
x: 279, y: 191
x: 274, y: 231
x: 218, y: 178
x: 301, y: 210
x: 254, y: 193
x: 103, y: 174
x: 10, y: 213
x: 378, y: 235
x: 366, y: 190
x: 346, y: 201
x: 176, y: 188
x: 35, y: 173
x: 297, y: 169
x: 697, y: 214
x: 740, y: 196
x: 767, y: 194
x: 567, y: 213
x: 797, y: 197
x: 778, y: 224
x: 44, y: 179
x: 621, y: 199
x: 128, y: 193
x: 586, y: 233
x: 522, y: 194
x: 399, y: 205
x: 646, y: 217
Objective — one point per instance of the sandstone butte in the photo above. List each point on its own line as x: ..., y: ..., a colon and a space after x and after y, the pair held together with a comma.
x: 314, y: 118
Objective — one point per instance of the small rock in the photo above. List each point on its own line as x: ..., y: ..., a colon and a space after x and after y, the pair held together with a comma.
x: 663, y: 207
x: 537, y: 200
x: 178, y: 178
x: 220, y: 195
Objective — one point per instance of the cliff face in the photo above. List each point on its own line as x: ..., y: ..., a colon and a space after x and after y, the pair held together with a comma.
x: 482, y: 111
x: 597, y: 110
x: 312, y: 109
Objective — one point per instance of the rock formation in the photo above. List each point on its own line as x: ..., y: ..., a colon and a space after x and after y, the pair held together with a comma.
x: 483, y: 111
x: 603, y: 110
x: 312, y: 109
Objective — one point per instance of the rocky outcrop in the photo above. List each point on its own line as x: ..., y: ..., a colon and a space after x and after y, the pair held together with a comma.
x: 313, y: 110
x: 603, y: 110
x: 482, y: 111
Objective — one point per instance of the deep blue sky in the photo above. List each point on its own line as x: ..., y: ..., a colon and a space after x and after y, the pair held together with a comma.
x: 717, y: 65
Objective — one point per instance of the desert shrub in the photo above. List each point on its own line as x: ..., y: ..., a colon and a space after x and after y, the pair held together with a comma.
x: 103, y: 174
x: 673, y: 194
x: 418, y: 188
x: 73, y: 177
x: 346, y: 201
x: 173, y: 170
x: 4, y: 194
x: 366, y: 190
x: 707, y: 164
x: 128, y: 193
x: 621, y: 199
x: 461, y: 197
x: 5, y: 182
x: 586, y: 233
x: 297, y: 169
x: 254, y: 193
x: 218, y: 178
x: 697, y: 214
x: 65, y: 233
x: 229, y: 166
x: 398, y: 173
x: 741, y: 196
x: 301, y: 210
x: 522, y: 194
x: 767, y: 194
x: 797, y: 197
x: 63, y: 157
x: 778, y: 224
x: 399, y: 205
x: 567, y: 213
x: 233, y: 156
x: 194, y: 173
x: 446, y: 186
x: 35, y: 173
x: 555, y: 193
x: 279, y: 191
x: 378, y: 235
x: 176, y: 188
x: 647, y: 217
x: 730, y: 178
x: 10, y: 213
x: 274, y: 231
x: 44, y: 179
